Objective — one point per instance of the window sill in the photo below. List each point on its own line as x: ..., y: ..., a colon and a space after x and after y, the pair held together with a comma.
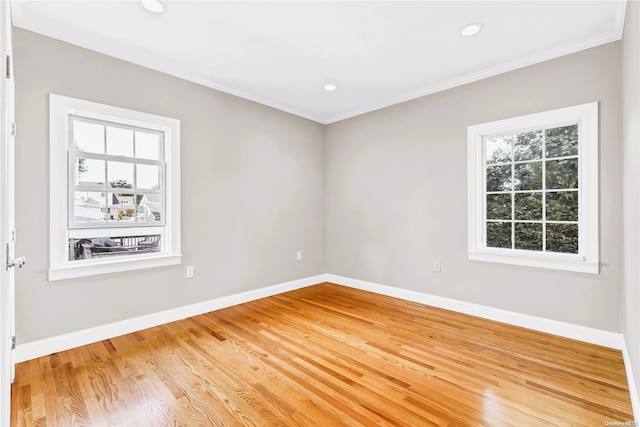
x: 106, y: 266
x: 565, y: 262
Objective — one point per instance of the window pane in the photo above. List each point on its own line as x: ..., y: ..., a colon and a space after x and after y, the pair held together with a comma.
x: 528, y: 146
x: 119, y: 142
x: 562, y: 141
x: 499, y: 235
x: 88, y: 137
x: 528, y: 176
x: 498, y: 149
x: 498, y: 206
x: 562, y: 174
x: 148, y: 177
x: 528, y: 206
x: 149, y: 208
x: 562, y: 206
x: 103, y: 247
x: 148, y: 145
x: 120, y: 175
x: 89, y: 172
x: 499, y: 178
x: 528, y: 236
x: 562, y: 238
x: 121, y: 206
x: 89, y: 206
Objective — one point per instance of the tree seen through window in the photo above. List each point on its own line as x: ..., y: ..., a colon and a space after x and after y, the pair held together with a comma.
x: 532, y: 190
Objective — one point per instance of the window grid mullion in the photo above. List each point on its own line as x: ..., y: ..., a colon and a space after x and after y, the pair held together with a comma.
x: 135, y: 182
x: 483, y: 233
x: 106, y: 171
x: 513, y: 196
x: 71, y: 173
x: 123, y: 159
x: 544, y: 190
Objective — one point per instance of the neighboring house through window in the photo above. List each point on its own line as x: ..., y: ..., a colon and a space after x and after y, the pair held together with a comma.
x: 533, y: 190
x: 121, y: 210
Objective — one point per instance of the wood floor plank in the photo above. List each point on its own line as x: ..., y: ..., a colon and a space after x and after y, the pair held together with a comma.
x: 335, y: 406
x: 321, y: 356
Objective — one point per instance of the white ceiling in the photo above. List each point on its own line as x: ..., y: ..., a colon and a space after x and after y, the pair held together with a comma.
x: 281, y: 53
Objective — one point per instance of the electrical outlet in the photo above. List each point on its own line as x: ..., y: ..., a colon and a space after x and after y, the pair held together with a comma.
x: 190, y: 271
x: 437, y: 267
x: 299, y: 255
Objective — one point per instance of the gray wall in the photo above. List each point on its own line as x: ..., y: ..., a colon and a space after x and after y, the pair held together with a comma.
x: 396, y: 192
x: 259, y: 184
x: 631, y: 111
x: 252, y: 191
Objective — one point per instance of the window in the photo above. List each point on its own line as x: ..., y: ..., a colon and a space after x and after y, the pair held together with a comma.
x: 121, y: 171
x: 533, y: 190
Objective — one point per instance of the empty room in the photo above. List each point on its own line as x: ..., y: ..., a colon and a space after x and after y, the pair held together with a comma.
x: 317, y: 213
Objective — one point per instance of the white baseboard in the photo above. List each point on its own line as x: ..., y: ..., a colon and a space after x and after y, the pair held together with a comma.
x: 55, y: 344
x: 35, y: 349
x: 563, y: 329
x: 633, y: 389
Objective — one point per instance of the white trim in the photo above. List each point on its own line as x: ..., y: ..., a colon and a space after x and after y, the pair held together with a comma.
x: 428, y: 90
x: 175, y: 69
x: 482, y: 74
x: 587, y: 259
x: 90, y: 233
x: 51, y: 345
x: 60, y: 107
x: 58, y: 343
x: 111, y: 265
x: 633, y: 389
x: 577, y: 265
x: 563, y: 329
x: 7, y: 216
x: 568, y: 330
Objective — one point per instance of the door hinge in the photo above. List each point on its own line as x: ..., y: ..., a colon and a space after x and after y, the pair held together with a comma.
x: 13, y: 342
x: 13, y: 128
x: 8, y: 66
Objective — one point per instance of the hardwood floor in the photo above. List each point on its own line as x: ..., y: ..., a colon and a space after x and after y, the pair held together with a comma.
x: 324, y: 356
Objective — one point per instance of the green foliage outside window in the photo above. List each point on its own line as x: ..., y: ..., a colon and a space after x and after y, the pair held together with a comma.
x: 532, y: 190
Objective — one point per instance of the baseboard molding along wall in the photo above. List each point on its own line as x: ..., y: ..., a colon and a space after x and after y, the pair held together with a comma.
x: 58, y: 343
x: 563, y: 329
x: 633, y: 390
x: 51, y: 345
x: 44, y: 347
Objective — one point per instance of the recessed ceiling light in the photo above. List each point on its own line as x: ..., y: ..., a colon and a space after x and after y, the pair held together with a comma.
x: 471, y: 30
x: 154, y: 6
x: 330, y: 87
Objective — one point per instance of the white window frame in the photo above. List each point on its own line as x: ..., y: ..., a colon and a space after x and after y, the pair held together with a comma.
x: 60, y: 267
x: 586, y: 260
